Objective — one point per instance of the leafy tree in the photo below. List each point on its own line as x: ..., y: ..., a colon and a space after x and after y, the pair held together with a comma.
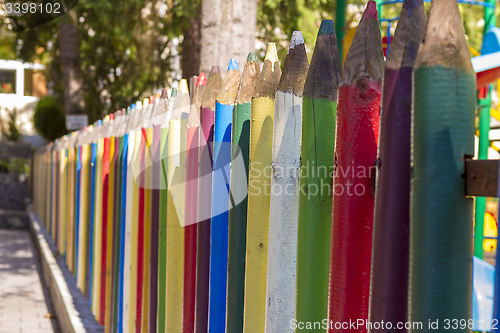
x: 49, y: 118
x: 126, y: 47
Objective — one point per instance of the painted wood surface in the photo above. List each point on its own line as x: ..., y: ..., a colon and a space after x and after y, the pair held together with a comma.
x: 240, y: 149
x: 63, y: 196
x: 130, y: 189
x: 134, y: 228
x: 143, y: 214
x: 103, y: 274
x: 319, y: 108
x: 123, y: 235
x: 220, y: 198
x: 83, y: 235
x: 444, y: 90
x: 71, y: 205
x: 175, y: 213
x: 391, y: 222
x: 261, y: 138
x: 98, y: 226
x: 207, y: 119
x: 159, y: 104
x: 191, y: 193
x: 162, y: 248
x: 117, y: 216
x: 78, y: 184
x: 284, y: 200
x: 355, y: 154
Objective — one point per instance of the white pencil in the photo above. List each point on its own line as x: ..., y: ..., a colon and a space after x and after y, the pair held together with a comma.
x: 284, y: 210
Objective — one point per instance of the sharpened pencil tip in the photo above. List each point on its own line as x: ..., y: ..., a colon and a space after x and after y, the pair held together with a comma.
x: 202, y: 80
x: 233, y: 65
x: 252, y: 56
x: 145, y: 102
x: 183, y: 86
x: 370, y: 11
x: 174, y: 92
x: 326, y: 28
x: 271, y: 54
x: 297, y: 39
x: 138, y: 105
x: 164, y: 94
x: 214, y: 70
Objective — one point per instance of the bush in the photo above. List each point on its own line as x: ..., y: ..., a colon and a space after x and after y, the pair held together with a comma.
x: 49, y: 119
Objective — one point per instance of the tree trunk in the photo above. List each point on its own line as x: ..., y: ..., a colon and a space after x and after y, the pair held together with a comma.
x: 228, y: 29
x: 191, y: 48
x: 70, y: 59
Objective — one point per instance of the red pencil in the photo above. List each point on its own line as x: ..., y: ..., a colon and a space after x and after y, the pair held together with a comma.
x: 105, y: 191
x: 140, y: 231
x: 191, y: 202
x: 355, y: 155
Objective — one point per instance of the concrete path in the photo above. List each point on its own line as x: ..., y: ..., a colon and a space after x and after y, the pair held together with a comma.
x: 24, y: 302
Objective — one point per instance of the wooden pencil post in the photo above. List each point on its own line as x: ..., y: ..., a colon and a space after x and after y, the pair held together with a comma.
x: 146, y: 169
x: 391, y: 224
x: 103, y: 275
x: 207, y: 119
x: 124, y: 193
x: 191, y: 183
x: 240, y: 141
x: 221, y: 202
x: 315, y: 193
x: 175, y: 212
x: 117, y: 216
x: 284, y: 204
x: 164, y: 123
x: 260, y: 156
x: 444, y: 90
x: 158, y: 106
x: 355, y: 154
x: 129, y: 210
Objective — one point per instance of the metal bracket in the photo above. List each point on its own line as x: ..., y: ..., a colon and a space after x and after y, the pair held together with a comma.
x: 481, y: 178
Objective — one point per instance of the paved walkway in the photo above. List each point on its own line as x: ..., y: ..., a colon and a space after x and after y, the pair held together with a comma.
x: 24, y: 302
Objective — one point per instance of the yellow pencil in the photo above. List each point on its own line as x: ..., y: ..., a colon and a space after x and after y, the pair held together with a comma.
x: 71, y: 204
x: 96, y: 280
x: 109, y: 232
x: 261, y: 140
x: 62, y: 196
x: 84, y: 190
x: 175, y: 213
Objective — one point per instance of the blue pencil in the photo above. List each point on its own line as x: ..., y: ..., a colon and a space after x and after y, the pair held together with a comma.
x: 220, y: 201
x: 91, y: 231
x: 122, y: 232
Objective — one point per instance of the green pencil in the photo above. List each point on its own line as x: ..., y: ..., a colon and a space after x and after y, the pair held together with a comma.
x: 444, y: 90
x: 238, y: 185
x: 319, y: 108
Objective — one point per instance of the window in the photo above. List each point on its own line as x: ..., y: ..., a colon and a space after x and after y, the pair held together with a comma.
x: 7, y: 81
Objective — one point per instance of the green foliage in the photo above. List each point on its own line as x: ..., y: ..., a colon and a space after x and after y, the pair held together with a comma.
x: 8, y: 39
x: 125, y: 46
x: 15, y: 165
x: 11, y: 133
x: 49, y: 118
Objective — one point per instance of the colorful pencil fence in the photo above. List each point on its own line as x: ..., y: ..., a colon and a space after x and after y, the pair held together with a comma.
x: 249, y: 203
